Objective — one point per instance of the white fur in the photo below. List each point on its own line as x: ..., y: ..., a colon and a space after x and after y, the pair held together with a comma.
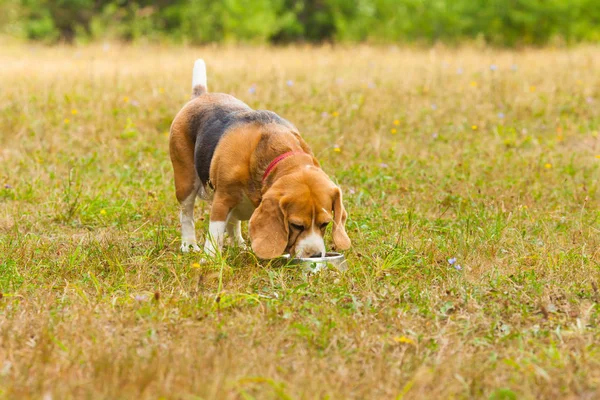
x: 188, y: 230
x: 310, y: 245
x: 234, y: 230
x: 214, y: 238
x: 199, y: 75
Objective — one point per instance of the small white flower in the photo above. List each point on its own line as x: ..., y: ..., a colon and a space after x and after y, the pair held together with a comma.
x: 141, y: 297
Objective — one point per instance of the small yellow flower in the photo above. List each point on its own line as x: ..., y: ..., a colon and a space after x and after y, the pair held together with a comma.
x: 74, y: 111
x: 67, y: 120
x: 196, y: 265
x: 598, y: 156
x: 337, y: 149
x: 335, y: 113
x: 474, y: 127
x: 396, y: 122
x: 167, y: 134
x: 404, y: 339
x: 579, y: 82
x: 547, y: 165
x: 525, y: 207
x: 532, y: 88
x: 560, y: 138
x: 103, y: 212
x: 125, y: 99
x: 394, y: 131
x: 473, y: 84
x: 161, y: 90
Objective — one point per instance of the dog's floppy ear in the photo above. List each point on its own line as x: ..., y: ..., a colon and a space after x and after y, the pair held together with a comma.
x: 306, y: 148
x: 268, y: 228
x: 340, y: 237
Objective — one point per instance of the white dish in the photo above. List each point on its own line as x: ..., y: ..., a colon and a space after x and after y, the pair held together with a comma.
x: 315, y: 264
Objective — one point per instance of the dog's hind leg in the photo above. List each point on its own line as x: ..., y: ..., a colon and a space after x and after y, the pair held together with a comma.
x: 187, y: 182
x: 186, y: 217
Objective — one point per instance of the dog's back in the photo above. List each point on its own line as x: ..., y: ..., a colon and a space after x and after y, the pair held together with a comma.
x: 208, y: 116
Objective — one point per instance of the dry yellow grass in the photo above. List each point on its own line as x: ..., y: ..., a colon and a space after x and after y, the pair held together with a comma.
x: 491, y: 157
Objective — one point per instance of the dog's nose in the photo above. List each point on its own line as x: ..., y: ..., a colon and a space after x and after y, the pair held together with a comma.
x: 315, y: 255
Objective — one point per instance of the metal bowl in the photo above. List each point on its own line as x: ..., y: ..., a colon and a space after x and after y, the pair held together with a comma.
x: 316, y: 264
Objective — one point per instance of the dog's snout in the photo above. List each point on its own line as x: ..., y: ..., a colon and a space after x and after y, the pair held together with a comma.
x: 310, y: 246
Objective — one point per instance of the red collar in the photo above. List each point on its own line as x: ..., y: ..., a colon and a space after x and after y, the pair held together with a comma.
x: 276, y: 161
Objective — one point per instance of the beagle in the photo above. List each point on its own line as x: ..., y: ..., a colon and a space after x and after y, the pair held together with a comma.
x: 251, y: 165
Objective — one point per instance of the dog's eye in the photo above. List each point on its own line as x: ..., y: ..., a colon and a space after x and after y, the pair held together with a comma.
x: 324, y: 225
x: 297, y: 227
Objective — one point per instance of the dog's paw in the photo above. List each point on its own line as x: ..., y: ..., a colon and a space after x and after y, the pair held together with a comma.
x: 242, y: 245
x: 210, y: 254
x: 186, y: 247
x: 210, y: 251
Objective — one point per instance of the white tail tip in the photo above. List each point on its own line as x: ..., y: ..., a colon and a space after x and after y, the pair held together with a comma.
x: 199, y: 75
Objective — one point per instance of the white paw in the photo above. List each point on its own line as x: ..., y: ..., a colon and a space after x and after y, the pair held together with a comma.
x: 210, y: 253
x: 186, y: 246
x: 241, y: 245
x: 210, y: 250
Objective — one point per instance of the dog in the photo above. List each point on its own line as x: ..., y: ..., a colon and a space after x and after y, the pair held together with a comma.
x: 250, y: 165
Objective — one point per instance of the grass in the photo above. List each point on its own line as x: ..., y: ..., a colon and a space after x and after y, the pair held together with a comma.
x: 490, y: 157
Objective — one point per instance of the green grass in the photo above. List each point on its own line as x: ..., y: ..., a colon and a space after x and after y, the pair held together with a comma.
x: 439, y: 155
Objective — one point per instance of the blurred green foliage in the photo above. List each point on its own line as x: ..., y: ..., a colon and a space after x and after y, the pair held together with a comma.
x: 498, y: 22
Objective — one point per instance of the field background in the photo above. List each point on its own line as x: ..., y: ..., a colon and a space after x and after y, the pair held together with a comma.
x: 491, y: 157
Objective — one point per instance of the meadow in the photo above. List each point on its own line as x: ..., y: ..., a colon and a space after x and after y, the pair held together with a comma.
x: 471, y: 178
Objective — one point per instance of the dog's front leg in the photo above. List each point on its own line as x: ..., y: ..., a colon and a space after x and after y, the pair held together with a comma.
x: 219, y: 212
x: 234, y: 230
x: 214, y: 239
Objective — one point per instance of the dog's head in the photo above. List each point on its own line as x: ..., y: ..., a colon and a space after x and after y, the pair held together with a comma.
x: 294, y: 214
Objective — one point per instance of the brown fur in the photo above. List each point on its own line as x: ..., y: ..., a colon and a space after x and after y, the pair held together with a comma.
x: 181, y: 150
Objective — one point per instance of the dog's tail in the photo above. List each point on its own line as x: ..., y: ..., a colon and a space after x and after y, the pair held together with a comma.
x: 199, y: 86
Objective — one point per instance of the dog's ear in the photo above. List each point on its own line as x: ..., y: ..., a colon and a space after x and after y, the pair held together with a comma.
x: 268, y: 228
x: 340, y: 237
x: 306, y: 148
